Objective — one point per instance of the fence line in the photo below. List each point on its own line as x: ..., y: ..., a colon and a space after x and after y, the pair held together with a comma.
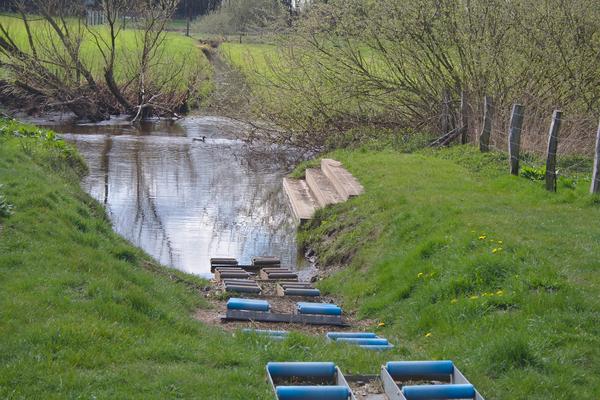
x: 520, y: 134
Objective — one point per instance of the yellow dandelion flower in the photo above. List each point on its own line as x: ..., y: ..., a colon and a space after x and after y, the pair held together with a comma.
x: 428, y: 334
x: 381, y: 324
x: 482, y: 237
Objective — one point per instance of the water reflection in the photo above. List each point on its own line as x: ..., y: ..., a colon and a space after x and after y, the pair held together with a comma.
x: 185, y: 201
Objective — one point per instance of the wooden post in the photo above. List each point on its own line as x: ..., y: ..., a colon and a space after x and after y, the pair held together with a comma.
x: 188, y: 17
x: 596, y: 173
x: 464, y: 118
x: 488, y: 118
x: 514, y: 137
x: 552, y: 147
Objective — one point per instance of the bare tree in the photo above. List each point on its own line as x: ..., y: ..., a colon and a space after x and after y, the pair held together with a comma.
x: 51, y: 69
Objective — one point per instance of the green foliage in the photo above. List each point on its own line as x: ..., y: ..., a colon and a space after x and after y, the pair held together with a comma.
x: 533, y: 173
x: 388, y: 63
x: 44, y: 145
x: 463, y: 261
x: 6, y: 209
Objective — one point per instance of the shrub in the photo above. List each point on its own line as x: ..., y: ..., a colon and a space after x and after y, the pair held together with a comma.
x: 6, y: 209
x: 533, y: 173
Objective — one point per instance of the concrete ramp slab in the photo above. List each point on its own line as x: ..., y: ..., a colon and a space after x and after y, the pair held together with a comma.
x: 303, y: 205
x: 321, y: 188
x: 345, y: 184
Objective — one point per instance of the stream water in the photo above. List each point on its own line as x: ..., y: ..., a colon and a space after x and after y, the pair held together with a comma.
x: 183, y: 200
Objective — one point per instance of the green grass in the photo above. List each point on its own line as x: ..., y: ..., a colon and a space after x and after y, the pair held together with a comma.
x: 178, y: 50
x: 463, y: 261
x: 251, y: 58
x: 83, y: 314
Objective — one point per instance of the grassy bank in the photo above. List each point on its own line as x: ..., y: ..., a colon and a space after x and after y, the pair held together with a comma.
x: 463, y: 261
x: 83, y: 314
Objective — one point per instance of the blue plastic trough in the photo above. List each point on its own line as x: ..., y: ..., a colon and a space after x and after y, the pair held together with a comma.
x: 394, y: 374
x: 364, y: 341
x: 437, y: 392
x: 273, y: 335
x: 376, y: 347
x: 301, y: 369
x: 299, y: 380
x: 302, y: 292
x: 319, y: 308
x: 411, y: 369
x: 337, y: 335
x: 265, y: 332
x: 312, y: 392
x: 247, y: 304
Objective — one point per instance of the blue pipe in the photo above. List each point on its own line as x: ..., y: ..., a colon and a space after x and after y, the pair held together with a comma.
x: 265, y: 332
x: 301, y: 369
x: 435, y: 392
x: 247, y: 304
x: 364, y: 341
x: 302, y: 292
x: 312, y: 392
x: 404, y: 369
x: 377, y: 348
x: 366, y: 335
x: 319, y: 308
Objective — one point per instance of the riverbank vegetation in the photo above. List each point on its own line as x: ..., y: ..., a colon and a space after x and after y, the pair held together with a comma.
x: 462, y: 261
x: 84, y: 314
x: 53, y: 59
x: 405, y: 65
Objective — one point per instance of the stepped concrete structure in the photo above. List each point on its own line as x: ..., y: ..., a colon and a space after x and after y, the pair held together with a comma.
x: 330, y: 184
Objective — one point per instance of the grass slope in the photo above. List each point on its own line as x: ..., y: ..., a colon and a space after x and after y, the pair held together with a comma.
x: 463, y: 261
x: 83, y: 314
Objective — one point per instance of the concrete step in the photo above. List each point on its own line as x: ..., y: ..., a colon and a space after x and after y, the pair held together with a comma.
x: 303, y: 205
x: 321, y: 188
x: 344, y: 183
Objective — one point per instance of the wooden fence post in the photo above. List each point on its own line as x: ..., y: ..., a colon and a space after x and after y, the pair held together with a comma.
x: 488, y: 117
x: 514, y: 137
x: 552, y: 147
x: 464, y: 117
x: 595, y: 188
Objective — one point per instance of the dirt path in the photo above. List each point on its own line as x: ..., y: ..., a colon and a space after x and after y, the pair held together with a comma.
x: 231, y: 95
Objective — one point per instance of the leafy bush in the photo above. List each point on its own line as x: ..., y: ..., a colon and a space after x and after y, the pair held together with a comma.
x: 6, y: 209
x: 533, y: 173
x: 60, y: 152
